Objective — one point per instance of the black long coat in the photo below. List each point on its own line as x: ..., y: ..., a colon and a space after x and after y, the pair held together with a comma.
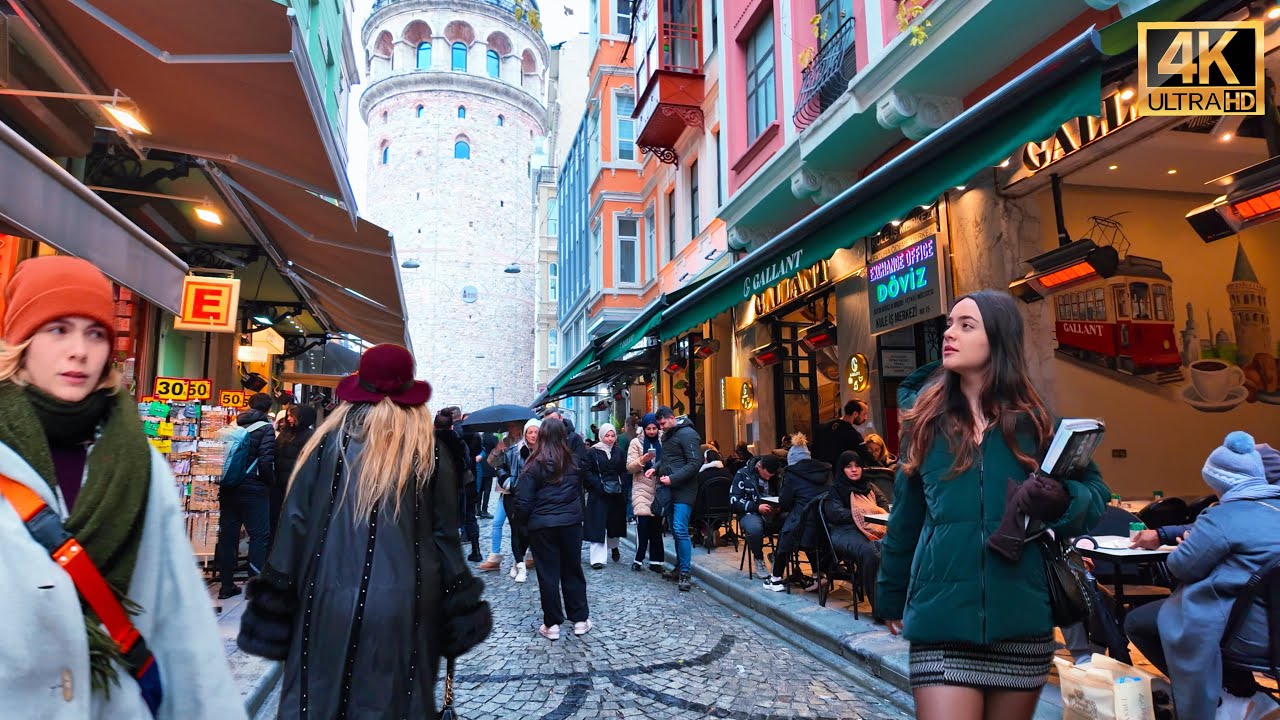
x: 346, y: 570
x: 606, y: 514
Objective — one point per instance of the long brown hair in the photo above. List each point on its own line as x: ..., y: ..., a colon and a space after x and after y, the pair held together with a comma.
x: 1008, y: 397
x: 552, y: 450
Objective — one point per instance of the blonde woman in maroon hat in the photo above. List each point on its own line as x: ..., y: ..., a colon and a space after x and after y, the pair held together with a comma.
x: 104, y: 612
x: 366, y: 587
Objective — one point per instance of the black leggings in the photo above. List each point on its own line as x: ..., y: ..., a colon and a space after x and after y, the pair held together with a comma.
x: 649, y: 537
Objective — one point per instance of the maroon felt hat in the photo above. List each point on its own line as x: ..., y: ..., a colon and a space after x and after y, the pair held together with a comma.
x: 386, y: 371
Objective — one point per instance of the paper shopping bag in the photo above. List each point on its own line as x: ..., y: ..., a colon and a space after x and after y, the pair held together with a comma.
x: 1106, y: 689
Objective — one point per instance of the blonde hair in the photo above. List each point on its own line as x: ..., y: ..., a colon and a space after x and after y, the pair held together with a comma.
x: 399, y: 449
x: 11, y: 370
x: 799, y: 439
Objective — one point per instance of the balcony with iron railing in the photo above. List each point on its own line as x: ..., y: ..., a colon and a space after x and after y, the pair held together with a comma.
x: 827, y: 76
x: 670, y: 81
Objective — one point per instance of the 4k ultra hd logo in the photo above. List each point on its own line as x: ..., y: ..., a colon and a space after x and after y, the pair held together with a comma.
x: 1200, y: 68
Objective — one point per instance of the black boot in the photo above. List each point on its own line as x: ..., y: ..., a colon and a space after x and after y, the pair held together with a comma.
x: 686, y: 583
x: 475, y: 555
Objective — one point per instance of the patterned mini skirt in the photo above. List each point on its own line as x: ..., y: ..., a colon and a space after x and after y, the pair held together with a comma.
x: 1017, y: 664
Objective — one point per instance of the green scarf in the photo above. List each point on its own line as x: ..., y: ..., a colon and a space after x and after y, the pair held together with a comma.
x: 108, y: 515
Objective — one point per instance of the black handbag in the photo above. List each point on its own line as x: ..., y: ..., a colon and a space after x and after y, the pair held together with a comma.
x: 610, y: 484
x: 447, y: 712
x: 1070, y: 600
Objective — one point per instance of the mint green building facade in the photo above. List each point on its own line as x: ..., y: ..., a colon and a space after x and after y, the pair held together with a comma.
x: 326, y: 29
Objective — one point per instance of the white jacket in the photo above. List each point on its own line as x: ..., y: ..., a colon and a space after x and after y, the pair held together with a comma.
x: 44, y: 654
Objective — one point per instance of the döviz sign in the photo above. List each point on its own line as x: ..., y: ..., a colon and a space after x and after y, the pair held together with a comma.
x: 905, y: 286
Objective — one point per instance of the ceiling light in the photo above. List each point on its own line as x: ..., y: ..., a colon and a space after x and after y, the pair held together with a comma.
x: 960, y: 188
x: 264, y: 319
x: 127, y: 118
x: 1127, y: 94
x: 1005, y: 164
x: 208, y: 215
x: 1274, y: 13
x: 1114, y: 167
x: 1226, y: 137
x: 895, y: 223
x: 1173, y: 171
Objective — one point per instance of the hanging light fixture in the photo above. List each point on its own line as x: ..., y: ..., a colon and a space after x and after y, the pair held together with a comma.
x: 818, y: 336
x: 767, y: 355
x: 204, y: 211
x: 675, y: 364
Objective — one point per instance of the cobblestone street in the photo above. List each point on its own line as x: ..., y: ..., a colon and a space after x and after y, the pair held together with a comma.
x: 654, y: 652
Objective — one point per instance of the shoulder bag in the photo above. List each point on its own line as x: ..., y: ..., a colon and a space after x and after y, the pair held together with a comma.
x: 612, y: 484
x: 1065, y: 576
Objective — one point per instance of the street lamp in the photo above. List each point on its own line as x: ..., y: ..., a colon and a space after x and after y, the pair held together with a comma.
x: 512, y: 269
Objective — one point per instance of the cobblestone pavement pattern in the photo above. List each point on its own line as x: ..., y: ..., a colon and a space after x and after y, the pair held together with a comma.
x: 654, y: 652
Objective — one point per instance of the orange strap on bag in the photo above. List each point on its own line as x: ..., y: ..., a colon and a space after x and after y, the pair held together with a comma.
x: 47, y: 529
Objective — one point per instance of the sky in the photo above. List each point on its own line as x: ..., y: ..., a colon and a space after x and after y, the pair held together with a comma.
x: 557, y: 26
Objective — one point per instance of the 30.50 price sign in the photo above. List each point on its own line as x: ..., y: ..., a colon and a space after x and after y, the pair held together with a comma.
x: 172, y: 389
x: 199, y: 389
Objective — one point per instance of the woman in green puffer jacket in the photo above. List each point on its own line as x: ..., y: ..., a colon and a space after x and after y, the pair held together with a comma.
x: 980, y: 627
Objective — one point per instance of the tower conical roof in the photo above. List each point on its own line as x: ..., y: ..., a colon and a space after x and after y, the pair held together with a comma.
x: 1243, y: 271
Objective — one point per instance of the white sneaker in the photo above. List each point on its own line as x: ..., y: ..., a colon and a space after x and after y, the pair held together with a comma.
x: 514, y: 570
x: 775, y: 584
x: 1231, y: 707
x: 550, y: 633
x: 582, y: 628
x: 521, y: 573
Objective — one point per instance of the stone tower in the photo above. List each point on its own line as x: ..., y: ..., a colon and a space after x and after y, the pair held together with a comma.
x: 1249, y: 311
x: 455, y: 107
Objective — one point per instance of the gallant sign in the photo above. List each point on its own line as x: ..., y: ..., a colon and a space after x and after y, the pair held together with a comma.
x: 772, y: 273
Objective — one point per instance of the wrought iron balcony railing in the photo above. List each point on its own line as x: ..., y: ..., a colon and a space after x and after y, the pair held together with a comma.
x: 827, y: 76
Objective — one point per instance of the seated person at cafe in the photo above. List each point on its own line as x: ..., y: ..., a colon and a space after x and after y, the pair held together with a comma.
x: 761, y: 477
x: 856, y: 541
x: 879, y: 452
x: 807, y: 480
x: 1214, y: 560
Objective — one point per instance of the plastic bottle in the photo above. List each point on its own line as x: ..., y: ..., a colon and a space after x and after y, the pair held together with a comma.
x: 1135, y: 528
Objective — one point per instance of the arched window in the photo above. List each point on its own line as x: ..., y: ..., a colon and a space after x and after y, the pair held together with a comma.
x: 501, y: 121
x: 553, y: 348
x: 493, y: 64
x: 459, y: 57
x: 462, y: 150
x: 419, y: 111
x: 386, y: 154
x: 553, y: 282
x: 462, y: 111
x: 424, y: 55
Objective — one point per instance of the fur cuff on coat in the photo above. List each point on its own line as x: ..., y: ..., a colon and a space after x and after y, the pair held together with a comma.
x: 267, y: 625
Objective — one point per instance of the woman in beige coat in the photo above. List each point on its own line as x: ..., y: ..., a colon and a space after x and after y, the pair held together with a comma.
x: 644, y: 452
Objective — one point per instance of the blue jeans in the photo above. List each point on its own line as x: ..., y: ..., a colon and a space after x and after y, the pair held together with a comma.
x: 680, y: 530
x: 499, y: 518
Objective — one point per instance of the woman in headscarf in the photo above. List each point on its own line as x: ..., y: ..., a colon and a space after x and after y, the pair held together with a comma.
x: 851, y: 498
x: 606, y: 503
x: 366, y: 587
x: 77, y: 476
x: 644, y: 453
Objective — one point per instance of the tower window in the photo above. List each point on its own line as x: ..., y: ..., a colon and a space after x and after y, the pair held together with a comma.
x: 419, y: 111
x: 493, y: 64
x: 424, y: 55
x: 501, y: 121
x: 462, y: 150
x: 459, y: 57
x: 462, y: 111
x: 386, y: 154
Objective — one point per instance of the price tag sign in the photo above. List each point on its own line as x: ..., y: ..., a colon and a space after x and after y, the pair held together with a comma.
x: 164, y: 429
x: 199, y: 390
x: 174, y: 389
x: 231, y: 398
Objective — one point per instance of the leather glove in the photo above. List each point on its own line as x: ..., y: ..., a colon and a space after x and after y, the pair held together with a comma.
x: 1043, y: 498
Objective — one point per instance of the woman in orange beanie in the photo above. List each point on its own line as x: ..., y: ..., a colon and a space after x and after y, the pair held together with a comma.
x: 78, y: 480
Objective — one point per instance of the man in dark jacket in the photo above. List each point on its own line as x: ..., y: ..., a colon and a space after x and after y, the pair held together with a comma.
x: 681, y: 461
x: 249, y: 503
x: 807, y: 480
x: 761, y: 477
x: 841, y: 434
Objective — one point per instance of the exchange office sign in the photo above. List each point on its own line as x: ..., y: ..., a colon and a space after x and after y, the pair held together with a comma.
x: 905, y: 286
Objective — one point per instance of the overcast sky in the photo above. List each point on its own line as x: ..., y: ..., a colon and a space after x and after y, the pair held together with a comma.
x: 557, y: 26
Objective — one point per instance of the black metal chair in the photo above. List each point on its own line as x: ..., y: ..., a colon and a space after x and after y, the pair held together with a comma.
x: 1167, y: 511
x: 1115, y: 521
x: 807, y: 529
x: 770, y: 543
x: 717, y: 513
x: 1262, y: 589
x: 835, y: 567
x: 1199, y: 505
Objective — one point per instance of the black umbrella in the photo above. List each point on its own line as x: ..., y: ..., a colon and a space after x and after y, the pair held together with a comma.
x: 495, y: 418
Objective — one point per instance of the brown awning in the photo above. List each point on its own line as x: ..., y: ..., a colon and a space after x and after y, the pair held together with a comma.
x: 350, y: 274
x: 229, y: 80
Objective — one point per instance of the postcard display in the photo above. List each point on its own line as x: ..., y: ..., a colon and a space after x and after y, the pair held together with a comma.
x: 187, y: 433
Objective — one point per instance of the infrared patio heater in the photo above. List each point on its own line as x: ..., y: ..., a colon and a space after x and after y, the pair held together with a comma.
x: 1070, y: 264
x: 1252, y: 198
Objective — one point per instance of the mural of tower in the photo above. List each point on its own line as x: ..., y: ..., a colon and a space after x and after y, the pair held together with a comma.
x: 455, y: 107
x: 1249, y: 311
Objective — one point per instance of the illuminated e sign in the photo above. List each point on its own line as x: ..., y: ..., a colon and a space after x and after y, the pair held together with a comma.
x: 905, y: 286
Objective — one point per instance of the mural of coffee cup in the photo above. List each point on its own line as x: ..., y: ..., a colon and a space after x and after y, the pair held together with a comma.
x: 1215, y: 379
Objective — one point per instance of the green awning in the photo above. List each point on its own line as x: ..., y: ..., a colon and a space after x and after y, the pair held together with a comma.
x: 1065, y: 85
x: 575, y: 366
x: 1121, y: 36
x: 626, y: 337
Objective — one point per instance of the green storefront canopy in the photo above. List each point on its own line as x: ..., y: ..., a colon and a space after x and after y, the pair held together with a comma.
x: 1065, y: 85
x: 626, y: 337
x: 575, y: 366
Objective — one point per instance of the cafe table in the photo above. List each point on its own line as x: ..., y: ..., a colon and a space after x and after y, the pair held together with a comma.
x: 1115, y: 551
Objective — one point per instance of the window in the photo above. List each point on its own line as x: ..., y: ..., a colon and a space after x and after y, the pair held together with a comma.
x: 553, y: 348
x: 715, y: 138
x: 462, y: 111
x: 553, y: 282
x: 1121, y: 299
x: 695, y: 217
x: 623, y: 106
x: 553, y: 219
x: 628, y: 251
x: 462, y: 150
x: 593, y: 144
x: 419, y: 111
x: 715, y: 26
x: 424, y: 56
x: 386, y: 154
x: 831, y: 15
x: 671, y: 225
x: 501, y: 121
x: 1141, y: 294
x: 650, y: 245
x: 493, y: 64
x: 762, y: 100
x: 597, y: 257
x: 1164, y: 305
x: 622, y: 17
x: 460, y: 57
